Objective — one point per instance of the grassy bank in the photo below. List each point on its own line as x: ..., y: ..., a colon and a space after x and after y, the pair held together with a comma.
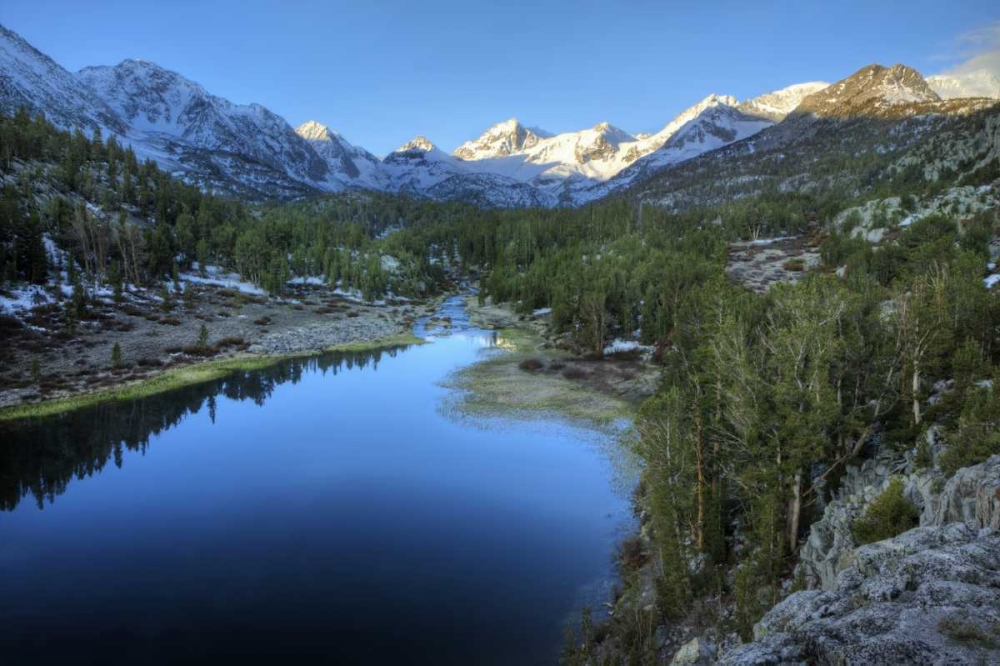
x: 531, y: 382
x: 196, y: 373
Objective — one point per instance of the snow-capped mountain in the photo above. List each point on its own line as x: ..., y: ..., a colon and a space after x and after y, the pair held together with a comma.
x: 205, y: 136
x: 248, y: 150
x: 778, y: 104
x: 418, y: 165
x: 978, y: 83
x: 574, y: 166
x: 30, y: 79
x: 502, y: 139
x: 718, y: 123
x: 350, y: 166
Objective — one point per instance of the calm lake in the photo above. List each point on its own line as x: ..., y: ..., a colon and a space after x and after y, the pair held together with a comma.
x: 331, y: 509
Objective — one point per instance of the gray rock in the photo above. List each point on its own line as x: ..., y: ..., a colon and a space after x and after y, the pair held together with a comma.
x: 830, y: 542
x: 972, y: 495
x: 928, y: 596
x: 695, y: 652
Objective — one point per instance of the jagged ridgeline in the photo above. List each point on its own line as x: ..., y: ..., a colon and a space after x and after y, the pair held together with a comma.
x: 249, y: 151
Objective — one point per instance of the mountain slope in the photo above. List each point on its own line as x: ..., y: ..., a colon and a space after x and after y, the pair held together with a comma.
x: 872, y: 91
x: 777, y: 105
x: 350, y: 166
x: 30, y: 79
x: 979, y: 83
x: 252, y: 152
x: 714, y: 127
x: 215, y: 141
x: 575, y: 167
x: 883, y: 120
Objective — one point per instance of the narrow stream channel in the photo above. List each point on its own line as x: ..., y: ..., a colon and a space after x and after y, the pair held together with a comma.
x: 324, y: 508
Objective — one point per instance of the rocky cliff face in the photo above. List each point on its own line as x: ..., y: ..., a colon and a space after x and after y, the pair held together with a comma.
x: 930, y: 595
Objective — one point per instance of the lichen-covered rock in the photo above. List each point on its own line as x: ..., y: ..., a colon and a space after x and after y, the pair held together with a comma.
x: 831, y: 541
x: 972, y: 495
x: 928, y: 596
x: 695, y: 652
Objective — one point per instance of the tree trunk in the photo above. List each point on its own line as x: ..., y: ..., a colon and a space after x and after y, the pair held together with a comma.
x: 916, y: 392
x: 794, y: 511
x: 700, y: 489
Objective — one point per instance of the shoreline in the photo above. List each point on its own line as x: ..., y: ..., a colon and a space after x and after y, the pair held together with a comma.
x: 537, y: 378
x: 180, y: 376
x: 49, y: 372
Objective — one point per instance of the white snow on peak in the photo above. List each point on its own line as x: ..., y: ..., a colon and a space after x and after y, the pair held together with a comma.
x: 500, y: 140
x: 314, y: 131
x: 417, y: 143
x: 779, y: 103
x: 246, y: 148
x: 977, y: 83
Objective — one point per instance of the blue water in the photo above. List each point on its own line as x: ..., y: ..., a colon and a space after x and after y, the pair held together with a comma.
x: 325, y: 509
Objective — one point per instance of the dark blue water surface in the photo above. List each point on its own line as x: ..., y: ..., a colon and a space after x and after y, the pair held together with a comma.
x: 325, y: 509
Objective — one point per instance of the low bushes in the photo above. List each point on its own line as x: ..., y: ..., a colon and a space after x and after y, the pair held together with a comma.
x: 531, y: 365
x: 888, y: 515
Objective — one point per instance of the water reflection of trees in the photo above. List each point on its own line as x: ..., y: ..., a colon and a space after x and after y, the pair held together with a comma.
x: 41, y: 457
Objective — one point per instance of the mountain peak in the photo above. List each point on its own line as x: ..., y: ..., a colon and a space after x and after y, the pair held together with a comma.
x: 872, y: 90
x: 315, y: 131
x: 500, y: 140
x: 419, y: 142
x: 715, y: 100
x: 612, y: 133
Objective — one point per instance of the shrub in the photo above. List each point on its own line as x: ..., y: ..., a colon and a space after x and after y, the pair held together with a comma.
x: 9, y: 324
x: 889, y: 514
x: 116, y: 356
x: 795, y: 264
x: 531, y: 365
x: 965, y: 630
x: 631, y: 554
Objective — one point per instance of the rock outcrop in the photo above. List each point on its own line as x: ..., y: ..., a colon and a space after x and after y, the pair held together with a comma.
x: 928, y: 596
x: 972, y: 496
x: 831, y: 541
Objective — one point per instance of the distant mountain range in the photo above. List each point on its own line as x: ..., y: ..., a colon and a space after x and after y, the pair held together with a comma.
x: 252, y: 152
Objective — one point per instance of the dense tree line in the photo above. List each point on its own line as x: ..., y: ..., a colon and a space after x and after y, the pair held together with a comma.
x: 765, y: 397
x: 95, y: 199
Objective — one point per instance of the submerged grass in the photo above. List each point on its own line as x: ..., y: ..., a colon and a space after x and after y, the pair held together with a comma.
x: 498, y: 386
x: 188, y: 375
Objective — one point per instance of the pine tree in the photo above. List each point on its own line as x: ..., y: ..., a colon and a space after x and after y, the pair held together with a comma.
x: 115, y: 278
x: 166, y: 304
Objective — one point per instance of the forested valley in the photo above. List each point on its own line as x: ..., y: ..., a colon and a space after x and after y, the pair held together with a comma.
x: 764, y: 399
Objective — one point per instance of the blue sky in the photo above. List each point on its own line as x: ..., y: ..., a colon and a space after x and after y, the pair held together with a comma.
x: 383, y: 72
